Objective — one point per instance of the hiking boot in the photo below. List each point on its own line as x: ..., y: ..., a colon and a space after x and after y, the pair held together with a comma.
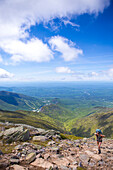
x: 99, y: 151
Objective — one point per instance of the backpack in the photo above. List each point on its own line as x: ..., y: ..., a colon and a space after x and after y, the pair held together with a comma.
x: 98, y: 130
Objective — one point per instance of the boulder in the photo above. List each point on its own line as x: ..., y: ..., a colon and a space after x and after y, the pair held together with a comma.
x: 51, y: 143
x: 18, y: 147
x: 52, y: 133
x: 39, y: 162
x: 14, y: 160
x: 40, y: 138
x: 11, y: 131
x: 84, y: 158
x: 41, y: 131
x: 61, y: 161
x: 30, y: 157
x: 16, y: 134
x: 18, y: 167
x: 94, y: 156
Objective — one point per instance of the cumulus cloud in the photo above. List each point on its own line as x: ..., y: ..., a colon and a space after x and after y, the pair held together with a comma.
x: 65, y: 47
x: 17, y: 16
x: 22, y: 14
x: 5, y: 74
x: 33, y: 50
x: 63, y: 70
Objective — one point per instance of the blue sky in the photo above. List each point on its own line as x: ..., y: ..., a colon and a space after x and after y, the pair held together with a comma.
x: 62, y: 40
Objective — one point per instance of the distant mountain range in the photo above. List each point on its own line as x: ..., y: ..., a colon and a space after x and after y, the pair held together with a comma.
x: 13, y: 101
x: 18, y: 108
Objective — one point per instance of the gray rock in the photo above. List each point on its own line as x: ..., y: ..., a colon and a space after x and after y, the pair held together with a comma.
x: 51, y: 143
x: 55, y: 149
x: 40, y: 138
x: 18, y: 167
x: 14, y: 160
x: 1, y: 153
x: 52, y: 133
x: 84, y: 140
x: 84, y: 158
x: 93, y: 156
x: 30, y: 157
x: 13, y: 130
x: 18, y: 147
x: 16, y: 134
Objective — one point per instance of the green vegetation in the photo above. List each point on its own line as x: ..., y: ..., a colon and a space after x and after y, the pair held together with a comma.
x: 78, y: 109
x: 71, y: 137
x: 30, y: 118
x: 87, y: 125
x: 13, y: 101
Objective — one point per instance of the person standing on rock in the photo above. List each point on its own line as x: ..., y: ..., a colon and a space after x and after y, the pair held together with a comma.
x: 99, y: 137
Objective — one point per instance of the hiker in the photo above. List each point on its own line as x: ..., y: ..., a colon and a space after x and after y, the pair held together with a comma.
x: 99, y: 137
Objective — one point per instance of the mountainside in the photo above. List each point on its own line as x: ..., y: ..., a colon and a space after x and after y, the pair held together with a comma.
x: 35, y: 119
x: 87, y: 125
x: 58, y: 112
x: 14, y: 101
x: 45, y: 113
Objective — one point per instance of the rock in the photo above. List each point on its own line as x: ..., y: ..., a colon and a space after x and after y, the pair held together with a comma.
x: 39, y: 162
x: 46, y: 156
x: 4, y: 163
x: 1, y: 153
x: 57, y: 136
x: 16, y: 134
x: 13, y: 130
x: 25, y: 135
x: 84, y: 158
x: 40, y: 138
x: 52, y: 133
x: 75, y: 163
x: 94, y: 156
x: 41, y: 131
x: 30, y: 157
x: 63, y: 167
x: 55, y: 149
x: 84, y: 140
x: 61, y: 161
x: 1, y: 134
x: 51, y: 143
x: 14, y: 160
x: 18, y: 167
x: 18, y: 147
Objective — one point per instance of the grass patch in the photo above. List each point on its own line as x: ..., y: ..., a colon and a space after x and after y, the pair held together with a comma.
x: 70, y: 137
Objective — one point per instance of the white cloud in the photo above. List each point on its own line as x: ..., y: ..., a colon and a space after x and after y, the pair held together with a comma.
x: 93, y: 73
x: 109, y: 72
x: 32, y: 50
x: 65, y: 47
x: 66, y: 22
x: 1, y: 60
x: 63, y: 70
x: 5, y: 74
x: 17, y: 16
x: 21, y: 14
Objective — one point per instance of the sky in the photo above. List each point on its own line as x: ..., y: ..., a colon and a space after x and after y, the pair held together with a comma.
x: 61, y: 40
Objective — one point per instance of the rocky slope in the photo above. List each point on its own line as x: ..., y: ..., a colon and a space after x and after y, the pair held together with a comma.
x: 40, y: 150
